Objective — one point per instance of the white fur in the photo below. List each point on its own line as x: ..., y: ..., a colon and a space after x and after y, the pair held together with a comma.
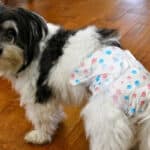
x: 106, y: 126
x: 83, y: 43
x: 10, y: 24
x: 44, y: 117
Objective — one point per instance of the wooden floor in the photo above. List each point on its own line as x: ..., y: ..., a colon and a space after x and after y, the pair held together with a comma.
x: 131, y: 17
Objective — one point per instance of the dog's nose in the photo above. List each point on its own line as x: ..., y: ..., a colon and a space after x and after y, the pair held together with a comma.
x: 1, y: 50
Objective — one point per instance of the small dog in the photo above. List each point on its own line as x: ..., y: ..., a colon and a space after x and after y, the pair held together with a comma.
x: 39, y: 57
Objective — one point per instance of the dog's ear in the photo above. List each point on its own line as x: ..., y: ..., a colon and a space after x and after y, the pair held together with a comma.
x: 32, y: 28
x: 35, y: 23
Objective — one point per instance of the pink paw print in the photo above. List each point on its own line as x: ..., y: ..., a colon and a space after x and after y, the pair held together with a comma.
x: 118, y: 92
x: 85, y: 71
x: 94, y: 60
x: 134, y: 95
x: 82, y: 64
x: 148, y: 86
x: 104, y: 76
x: 143, y: 94
x: 115, y: 98
x: 144, y: 77
x: 72, y: 75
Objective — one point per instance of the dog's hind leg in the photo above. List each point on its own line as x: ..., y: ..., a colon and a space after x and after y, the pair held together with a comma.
x: 106, y: 126
x: 45, y: 119
x: 144, y: 135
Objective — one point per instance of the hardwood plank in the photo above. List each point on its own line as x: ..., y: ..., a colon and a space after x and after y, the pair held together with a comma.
x: 131, y: 18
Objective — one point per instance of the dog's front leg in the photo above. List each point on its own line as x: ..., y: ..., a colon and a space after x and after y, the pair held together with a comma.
x: 45, y: 119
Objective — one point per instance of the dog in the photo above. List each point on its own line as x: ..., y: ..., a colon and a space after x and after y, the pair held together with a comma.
x: 39, y: 58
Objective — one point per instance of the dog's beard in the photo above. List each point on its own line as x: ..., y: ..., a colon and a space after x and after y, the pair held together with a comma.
x: 11, y: 59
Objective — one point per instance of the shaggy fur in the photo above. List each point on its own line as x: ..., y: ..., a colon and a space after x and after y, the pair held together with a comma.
x: 38, y: 58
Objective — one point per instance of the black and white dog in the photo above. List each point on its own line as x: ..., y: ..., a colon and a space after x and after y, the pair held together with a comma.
x: 38, y: 58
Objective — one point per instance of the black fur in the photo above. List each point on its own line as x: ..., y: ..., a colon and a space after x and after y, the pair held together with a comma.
x: 106, y: 34
x: 113, y: 43
x: 30, y: 27
x: 49, y: 58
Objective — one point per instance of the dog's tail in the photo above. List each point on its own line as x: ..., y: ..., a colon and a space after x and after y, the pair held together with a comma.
x: 109, y: 37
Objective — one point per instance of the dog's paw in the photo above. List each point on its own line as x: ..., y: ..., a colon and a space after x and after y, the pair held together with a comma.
x: 37, y: 137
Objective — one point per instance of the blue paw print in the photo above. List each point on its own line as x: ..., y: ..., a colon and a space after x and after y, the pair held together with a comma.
x: 90, y: 55
x: 137, y: 83
x: 134, y: 71
x: 108, y: 52
x: 77, y: 81
x: 101, y: 60
x: 129, y: 86
x: 97, y: 78
x: 132, y: 110
x: 126, y: 97
x: 76, y: 70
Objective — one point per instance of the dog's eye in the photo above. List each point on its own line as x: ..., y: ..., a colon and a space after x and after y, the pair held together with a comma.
x: 10, y: 35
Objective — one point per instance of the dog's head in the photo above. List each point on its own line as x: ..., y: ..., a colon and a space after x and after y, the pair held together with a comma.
x: 20, y: 34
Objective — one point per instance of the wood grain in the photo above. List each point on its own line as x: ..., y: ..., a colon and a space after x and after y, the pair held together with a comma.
x: 132, y: 18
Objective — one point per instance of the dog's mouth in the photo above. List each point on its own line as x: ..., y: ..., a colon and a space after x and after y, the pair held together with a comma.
x: 11, y: 59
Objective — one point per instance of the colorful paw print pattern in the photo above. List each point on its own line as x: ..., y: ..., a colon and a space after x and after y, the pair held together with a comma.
x: 117, y: 73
